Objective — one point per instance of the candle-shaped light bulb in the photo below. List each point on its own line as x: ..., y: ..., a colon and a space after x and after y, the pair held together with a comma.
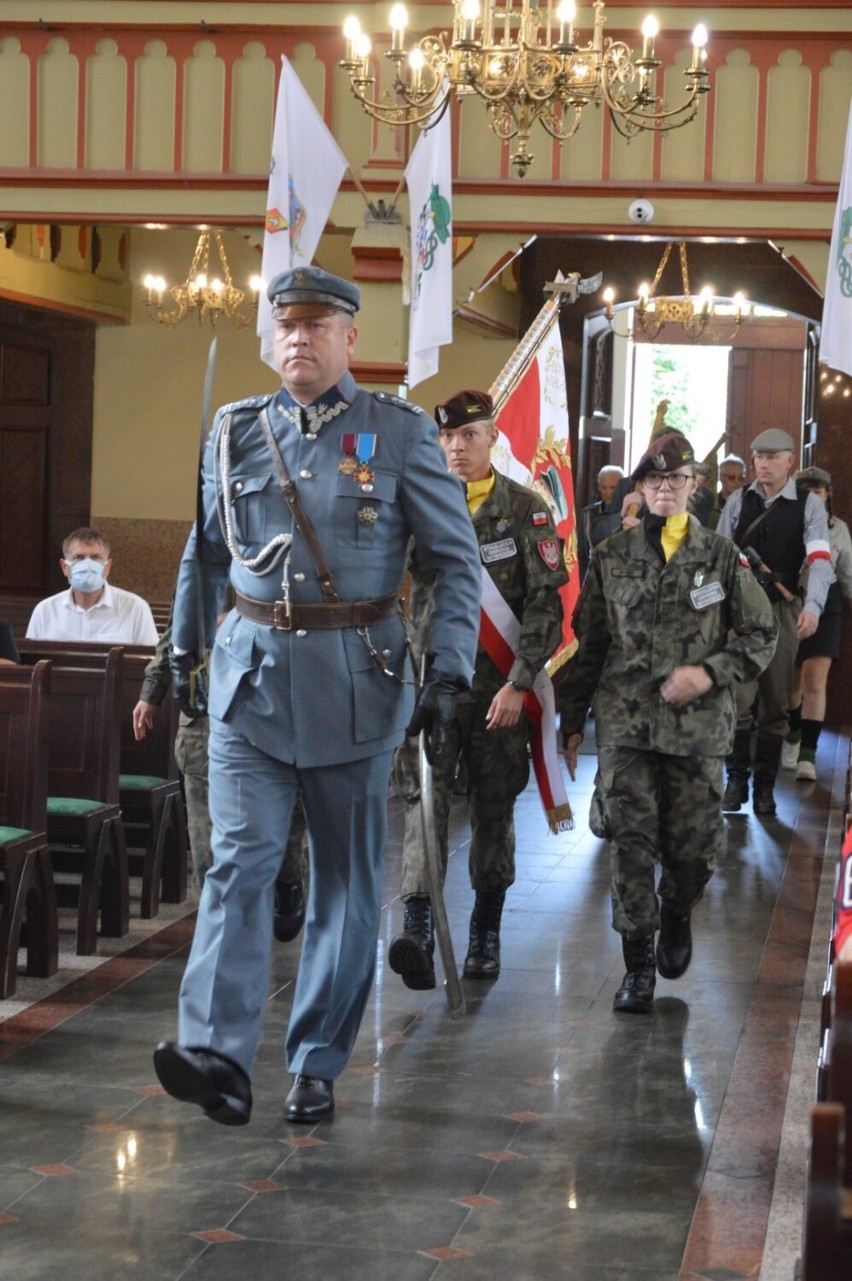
x: 351, y: 32
x: 706, y: 300
x: 363, y: 49
x: 644, y: 294
x: 699, y: 43
x: 470, y: 12
x: 650, y: 31
x: 566, y: 13
x: 416, y: 62
x: 609, y: 299
x: 398, y: 22
x: 740, y: 306
x: 257, y: 284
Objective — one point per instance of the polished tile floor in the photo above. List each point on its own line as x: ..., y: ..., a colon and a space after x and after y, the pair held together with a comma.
x: 535, y: 1136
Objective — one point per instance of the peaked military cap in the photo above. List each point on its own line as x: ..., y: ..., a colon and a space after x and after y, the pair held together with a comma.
x: 464, y: 407
x: 664, y: 454
x: 771, y: 440
x: 303, y: 292
x: 814, y: 476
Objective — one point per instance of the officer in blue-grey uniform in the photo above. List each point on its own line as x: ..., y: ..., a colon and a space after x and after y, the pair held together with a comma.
x: 310, y: 499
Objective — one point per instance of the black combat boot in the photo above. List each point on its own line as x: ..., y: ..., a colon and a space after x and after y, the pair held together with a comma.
x: 411, y: 953
x: 767, y: 758
x: 483, y: 951
x: 674, y: 946
x: 636, y: 994
x: 738, y: 764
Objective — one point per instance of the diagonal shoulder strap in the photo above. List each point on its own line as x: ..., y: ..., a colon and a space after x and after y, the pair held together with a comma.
x: 743, y: 540
x: 300, y: 517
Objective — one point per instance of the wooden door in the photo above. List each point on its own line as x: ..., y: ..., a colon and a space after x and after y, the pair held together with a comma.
x: 46, y: 392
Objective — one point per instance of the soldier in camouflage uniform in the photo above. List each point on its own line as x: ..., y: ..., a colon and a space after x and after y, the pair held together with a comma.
x: 191, y: 755
x: 669, y: 620
x: 520, y: 548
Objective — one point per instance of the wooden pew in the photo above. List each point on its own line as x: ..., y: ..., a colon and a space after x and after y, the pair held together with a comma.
x: 28, y: 894
x: 16, y: 610
x: 84, y: 828
x: 150, y: 791
x: 827, y: 1235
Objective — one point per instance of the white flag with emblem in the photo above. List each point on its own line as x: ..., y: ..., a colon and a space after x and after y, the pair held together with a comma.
x: 835, y: 347
x: 429, y: 178
x: 306, y: 171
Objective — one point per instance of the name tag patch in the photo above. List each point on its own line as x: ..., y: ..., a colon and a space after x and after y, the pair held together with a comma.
x: 707, y: 595
x: 502, y: 550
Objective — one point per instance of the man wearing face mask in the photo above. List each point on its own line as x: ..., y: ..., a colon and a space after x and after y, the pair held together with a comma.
x: 92, y: 609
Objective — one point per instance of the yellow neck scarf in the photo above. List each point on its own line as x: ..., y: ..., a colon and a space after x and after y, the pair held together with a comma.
x: 673, y: 533
x: 478, y: 491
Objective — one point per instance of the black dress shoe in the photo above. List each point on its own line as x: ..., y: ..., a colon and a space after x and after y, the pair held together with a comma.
x: 289, y: 910
x: 311, y: 1099
x: 674, y: 946
x: 204, y: 1077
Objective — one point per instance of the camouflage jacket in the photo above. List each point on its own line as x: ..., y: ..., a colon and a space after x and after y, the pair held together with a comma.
x: 516, y: 538
x: 638, y: 619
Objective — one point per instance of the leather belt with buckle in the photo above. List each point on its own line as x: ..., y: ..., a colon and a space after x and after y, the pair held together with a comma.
x: 287, y: 616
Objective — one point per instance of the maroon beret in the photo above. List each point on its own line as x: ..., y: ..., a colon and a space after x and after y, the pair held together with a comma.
x: 464, y: 407
x: 666, y: 453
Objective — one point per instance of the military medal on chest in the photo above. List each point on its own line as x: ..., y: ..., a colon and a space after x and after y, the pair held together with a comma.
x: 358, y: 449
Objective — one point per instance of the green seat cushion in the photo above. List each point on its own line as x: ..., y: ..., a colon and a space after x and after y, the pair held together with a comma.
x: 8, y: 834
x: 72, y: 805
x: 140, y: 782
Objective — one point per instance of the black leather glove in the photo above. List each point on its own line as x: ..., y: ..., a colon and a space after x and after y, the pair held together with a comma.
x: 435, y: 710
x: 189, y: 683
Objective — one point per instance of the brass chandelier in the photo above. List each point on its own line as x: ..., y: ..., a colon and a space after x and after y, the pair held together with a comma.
x: 202, y: 294
x: 692, y: 312
x: 523, y: 59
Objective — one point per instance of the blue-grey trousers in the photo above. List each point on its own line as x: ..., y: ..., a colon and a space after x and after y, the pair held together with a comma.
x: 225, y: 986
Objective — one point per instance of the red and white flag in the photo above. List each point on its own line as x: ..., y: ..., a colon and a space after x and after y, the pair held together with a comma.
x: 306, y: 171
x: 533, y: 447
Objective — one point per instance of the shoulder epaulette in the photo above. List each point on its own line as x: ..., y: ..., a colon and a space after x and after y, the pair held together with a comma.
x: 250, y: 402
x: 386, y: 399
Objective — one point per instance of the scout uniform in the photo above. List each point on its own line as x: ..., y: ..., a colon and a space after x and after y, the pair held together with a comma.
x: 521, y: 552
x: 640, y: 616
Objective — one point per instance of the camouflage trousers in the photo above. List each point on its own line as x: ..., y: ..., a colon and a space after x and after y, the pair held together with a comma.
x: 498, y: 770
x: 659, y: 809
x: 191, y: 743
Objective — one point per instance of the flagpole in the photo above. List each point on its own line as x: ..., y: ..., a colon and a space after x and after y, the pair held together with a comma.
x: 517, y: 364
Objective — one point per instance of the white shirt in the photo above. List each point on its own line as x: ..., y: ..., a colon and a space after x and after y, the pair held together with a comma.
x: 119, y: 618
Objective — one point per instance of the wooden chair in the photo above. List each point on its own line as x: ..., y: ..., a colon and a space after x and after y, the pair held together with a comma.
x: 28, y: 893
x: 84, y: 827
x: 150, y: 790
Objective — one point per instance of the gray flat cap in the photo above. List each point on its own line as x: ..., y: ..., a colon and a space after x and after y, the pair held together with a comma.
x: 774, y: 438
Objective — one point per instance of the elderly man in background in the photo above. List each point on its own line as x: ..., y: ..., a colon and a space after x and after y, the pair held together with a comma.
x: 91, y: 609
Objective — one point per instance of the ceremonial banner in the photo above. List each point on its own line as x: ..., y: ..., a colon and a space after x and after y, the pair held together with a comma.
x: 306, y: 171
x: 835, y: 347
x: 429, y: 178
x: 534, y: 446
x: 500, y: 635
